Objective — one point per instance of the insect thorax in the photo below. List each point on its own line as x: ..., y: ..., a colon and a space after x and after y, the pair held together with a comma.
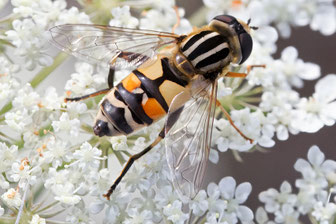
x: 207, y: 51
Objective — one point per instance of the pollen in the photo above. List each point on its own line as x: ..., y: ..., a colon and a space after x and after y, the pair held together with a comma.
x: 11, y: 195
x: 24, y: 162
x: 236, y: 3
x: 68, y: 93
x: 40, y: 105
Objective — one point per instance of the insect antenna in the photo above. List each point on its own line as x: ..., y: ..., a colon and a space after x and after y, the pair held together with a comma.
x: 252, y: 27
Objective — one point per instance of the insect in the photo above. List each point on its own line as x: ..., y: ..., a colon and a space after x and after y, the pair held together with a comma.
x: 174, y: 76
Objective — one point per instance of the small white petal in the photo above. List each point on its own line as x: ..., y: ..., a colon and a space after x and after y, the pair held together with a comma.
x: 285, y: 187
x: 243, y: 191
x: 244, y: 213
x: 325, y: 88
x: 96, y: 207
x: 227, y: 187
x: 315, y: 156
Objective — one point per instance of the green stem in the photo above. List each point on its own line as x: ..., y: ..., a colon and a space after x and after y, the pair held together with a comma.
x: 119, y: 157
x: 47, y: 207
x: 7, y: 220
x: 45, y: 72
x: 6, y: 108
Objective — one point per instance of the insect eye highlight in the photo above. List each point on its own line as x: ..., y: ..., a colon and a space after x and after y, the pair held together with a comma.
x: 226, y: 19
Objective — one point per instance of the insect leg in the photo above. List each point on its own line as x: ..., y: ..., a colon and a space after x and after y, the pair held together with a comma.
x: 243, y: 75
x: 250, y: 67
x: 227, y: 115
x: 178, y: 19
x: 103, y: 91
x: 131, y: 161
x: 236, y: 75
x: 110, y: 78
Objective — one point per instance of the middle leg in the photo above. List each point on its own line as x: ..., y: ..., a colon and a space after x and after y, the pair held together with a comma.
x: 131, y: 161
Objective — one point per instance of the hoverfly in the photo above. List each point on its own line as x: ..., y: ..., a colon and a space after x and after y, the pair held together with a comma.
x: 174, y: 76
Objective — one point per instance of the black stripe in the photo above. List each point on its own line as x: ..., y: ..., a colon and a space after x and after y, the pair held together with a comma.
x: 117, y: 117
x: 194, y: 39
x: 170, y: 74
x: 151, y: 88
x: 218, y: 56
x: 206, y: 46
x: 133, y: 101
x: 134, y: 116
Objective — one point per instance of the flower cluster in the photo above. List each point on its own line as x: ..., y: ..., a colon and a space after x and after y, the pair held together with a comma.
x: 313, y: 198
x: 320, y: 15
x: 52, y: 163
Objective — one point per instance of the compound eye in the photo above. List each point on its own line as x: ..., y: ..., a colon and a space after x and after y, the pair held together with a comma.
x: 226, y: 19
x: 246, y: 45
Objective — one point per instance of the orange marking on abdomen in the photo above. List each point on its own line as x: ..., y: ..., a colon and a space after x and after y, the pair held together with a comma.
x: 131, y: 82
x: 153, y: 109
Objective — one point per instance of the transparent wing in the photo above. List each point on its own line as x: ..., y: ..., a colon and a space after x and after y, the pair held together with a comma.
x: 188, y: 138
x: 115, y: 46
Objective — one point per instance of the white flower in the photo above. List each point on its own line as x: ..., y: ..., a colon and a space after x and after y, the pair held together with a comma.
x: 122, y: 17
x: 315, y: 172
x: 287, y: 215
x: 261, y: 216
x: 23, y: 173
x: 320, y: 109
x: 274, y: 200
x: 87, y: 157
x: 280, y: 107
x: 151, y: 21
x: 12, y: 198
x: 37, y: 220
x: 174, y: 213
x: 65, y: 126
x: 75, y: 109
x: 28, y: 37
x: 7, y: 156
x: 324, y: 213
x: 73, y: 15
x: 57, y: 151
x: 27, y: 98
x: 8, y: 84
x: 51, y: 100
x: 65, y: 194
x: 324, y: 19
x: 79, y: 215
x: 84, y: 81
x: 199, y: 204
x: 165, y: 194
x: 294, y: 69
x: 56, y: 178
x: 137, y: 217
x: 235, y: 195
x: 119, y: 143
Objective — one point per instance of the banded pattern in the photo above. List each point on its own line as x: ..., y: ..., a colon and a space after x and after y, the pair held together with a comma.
x: 206, y: 50
x: 141, y: 98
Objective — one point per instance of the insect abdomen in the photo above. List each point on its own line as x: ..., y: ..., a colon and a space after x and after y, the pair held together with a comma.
x: 142, y: 98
